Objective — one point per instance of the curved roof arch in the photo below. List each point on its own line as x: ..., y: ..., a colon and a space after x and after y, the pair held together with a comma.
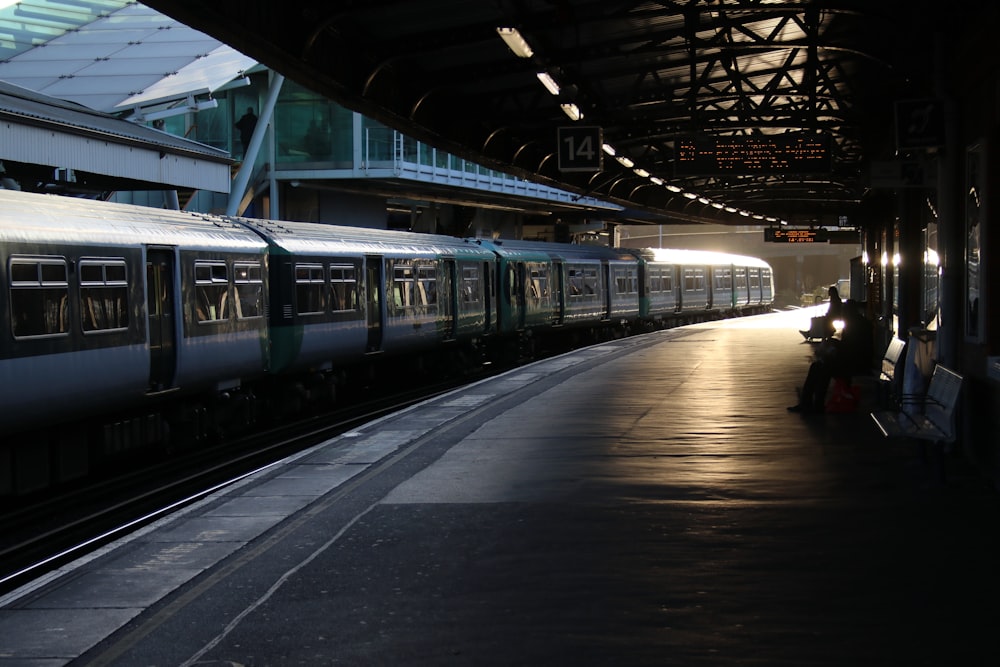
x: 649, y: 74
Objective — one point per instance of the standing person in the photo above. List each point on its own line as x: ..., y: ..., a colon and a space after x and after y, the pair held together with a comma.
x: 246, y: 125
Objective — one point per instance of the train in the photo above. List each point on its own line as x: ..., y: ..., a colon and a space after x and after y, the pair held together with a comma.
x: 126, y: 328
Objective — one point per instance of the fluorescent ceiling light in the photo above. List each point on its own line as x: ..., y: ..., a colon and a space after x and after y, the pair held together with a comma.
x: 548, y: 82
x: 657, y: 180
x: 690, y: 195
x: 673, y: 188
x: 628, y: 164
x: 516, y: 43
x: 641, y: 172
x: 572, y: 111
x: 609, y: 149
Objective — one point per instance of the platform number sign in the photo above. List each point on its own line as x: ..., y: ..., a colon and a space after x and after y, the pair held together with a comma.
x: 580, y: 148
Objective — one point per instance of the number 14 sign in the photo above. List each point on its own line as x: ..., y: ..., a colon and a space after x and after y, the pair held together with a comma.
x: 580, y: 148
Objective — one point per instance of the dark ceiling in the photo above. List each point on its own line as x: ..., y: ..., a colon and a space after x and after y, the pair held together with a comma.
x: 649, y: 74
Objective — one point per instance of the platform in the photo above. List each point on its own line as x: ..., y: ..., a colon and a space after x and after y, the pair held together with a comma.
x: 648, y: 501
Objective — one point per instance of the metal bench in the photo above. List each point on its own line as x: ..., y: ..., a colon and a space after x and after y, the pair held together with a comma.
x: 890, y: 374
x: 930, y: 419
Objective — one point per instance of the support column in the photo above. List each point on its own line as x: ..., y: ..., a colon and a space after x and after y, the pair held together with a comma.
x: 246, y: 169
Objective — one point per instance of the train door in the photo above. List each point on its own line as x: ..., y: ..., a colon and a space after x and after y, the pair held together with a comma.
x: 448, y: 301
x: 514, y: 291
x: 374, y: 289
x: 607, y: 287
x: 160, y: 319
x: 559, y: 286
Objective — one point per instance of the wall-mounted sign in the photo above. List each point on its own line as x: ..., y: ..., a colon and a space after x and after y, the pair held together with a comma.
x: 580, y: 148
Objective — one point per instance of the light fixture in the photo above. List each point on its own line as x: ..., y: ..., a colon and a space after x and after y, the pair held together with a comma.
x: 549, y: 83
x: 690, y: 195
x: 609, y: 149
x: 572, y: 111
x: 673, y: 188
x: 718, y: 205
x: 625, y: 162
x: 730, y: 209
x: 704, y: 200
x: 641, y: 172
x: 656, y: 179
x: 516, y: 43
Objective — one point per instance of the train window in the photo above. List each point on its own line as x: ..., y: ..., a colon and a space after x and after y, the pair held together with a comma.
x: 103, y: 295
x: 310, y: 289
x: 755, y: 278
x: 694, y: 279
x: 344, y: 287
x: 426, y: 292
x: 402, y: 286
x: 723, y: 278
x: 538, y: 287
x: 575, y: 283
x: 248, y: 288
x: 472, y: 288
x: 589, y: 282
x: 211, y: 280
x: 626, y: 281
x: 741, y: 278
x: 39, y: 293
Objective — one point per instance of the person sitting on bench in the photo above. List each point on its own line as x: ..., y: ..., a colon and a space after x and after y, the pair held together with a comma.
x: 850, y: 355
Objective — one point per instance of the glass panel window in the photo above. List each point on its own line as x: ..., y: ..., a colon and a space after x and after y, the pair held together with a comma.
x: 741, y: 278
x: 211, y: 279
x: 343, y: 287
x: 426, y: 292
x: 589, y: 281
x: 39, y: 294
x: 694, y: 280
x: 103, y: 295
x: 538, y: 286
x: 472, y: 288
x: 625, y: 281
x: 248, y: 288
x: 310, y: 289
x: 402, y: 286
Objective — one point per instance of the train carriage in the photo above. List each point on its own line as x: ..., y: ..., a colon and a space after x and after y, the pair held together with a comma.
x: 76, y: 276
x: 339, y: 293
x: 547, y: 285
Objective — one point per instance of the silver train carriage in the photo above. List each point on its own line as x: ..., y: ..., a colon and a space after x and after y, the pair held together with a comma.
x: 107, y: 305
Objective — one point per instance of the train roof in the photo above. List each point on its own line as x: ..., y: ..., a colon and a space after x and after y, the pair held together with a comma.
x: 706, y: 257
x: 542, y: 250
x: 36, y: 218
x: 310, y: 237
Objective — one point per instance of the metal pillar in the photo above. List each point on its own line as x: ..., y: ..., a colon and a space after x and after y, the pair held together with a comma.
x: 246, y: 169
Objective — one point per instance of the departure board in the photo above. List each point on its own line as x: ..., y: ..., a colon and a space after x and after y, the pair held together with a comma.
x: 775, y: 235
x: 775, y: 154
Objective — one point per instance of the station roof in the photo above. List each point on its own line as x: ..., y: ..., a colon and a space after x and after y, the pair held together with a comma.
x: 40, y: 134
x: 67, y: 67
x: 657, y: 77
x: 110, y: 55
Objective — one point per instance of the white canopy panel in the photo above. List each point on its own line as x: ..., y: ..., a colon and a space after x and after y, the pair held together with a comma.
x: 111, y: 54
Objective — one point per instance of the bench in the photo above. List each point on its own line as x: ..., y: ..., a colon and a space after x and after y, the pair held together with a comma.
x: 890, y: 375
x: 930, y: 420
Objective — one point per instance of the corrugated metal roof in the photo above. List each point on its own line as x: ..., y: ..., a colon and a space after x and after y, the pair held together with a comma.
x: 110, y: 54
x: 38, y: 129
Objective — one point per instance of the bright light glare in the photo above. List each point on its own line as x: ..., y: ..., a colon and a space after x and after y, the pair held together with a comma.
x: 549, y: 83
x: 512, y: 38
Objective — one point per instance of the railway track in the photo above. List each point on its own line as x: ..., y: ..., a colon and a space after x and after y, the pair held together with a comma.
x: 49, y: 532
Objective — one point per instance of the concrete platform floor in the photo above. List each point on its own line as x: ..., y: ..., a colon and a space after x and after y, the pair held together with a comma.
x: 650, y: 502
